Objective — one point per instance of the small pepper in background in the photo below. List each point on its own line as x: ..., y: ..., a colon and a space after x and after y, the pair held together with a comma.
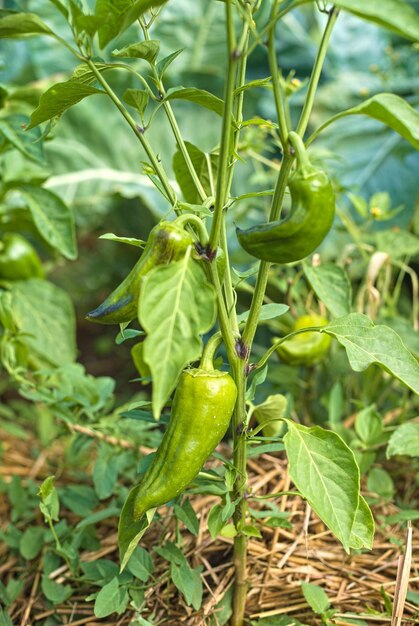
x: 18, y: 259
x: 306, y: 348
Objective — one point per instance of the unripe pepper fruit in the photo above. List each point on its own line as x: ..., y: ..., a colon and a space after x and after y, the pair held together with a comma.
x: 310, y: 218
x: 18, y: 259
x: 167, y: 242
x: 306, y: 348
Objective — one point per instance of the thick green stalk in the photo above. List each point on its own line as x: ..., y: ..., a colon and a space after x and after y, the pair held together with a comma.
x: 223, y: 162
x: 315, y: 74
x: 240, y: 541
x: 138, y: 132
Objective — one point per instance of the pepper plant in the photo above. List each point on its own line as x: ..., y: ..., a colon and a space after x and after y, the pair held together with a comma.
x: 183, y: 286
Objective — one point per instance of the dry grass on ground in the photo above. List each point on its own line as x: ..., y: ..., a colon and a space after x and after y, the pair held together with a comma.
x: 277, y: 563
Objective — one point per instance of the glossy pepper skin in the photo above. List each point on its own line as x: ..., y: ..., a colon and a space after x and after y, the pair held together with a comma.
x: 298, y: 235
x: 167, y: 242
x: 18, y: 259
x: 307, y: 348
x: 201, y: 412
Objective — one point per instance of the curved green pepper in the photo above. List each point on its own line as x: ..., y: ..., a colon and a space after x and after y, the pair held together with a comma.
x: 303, y: 230
x: 201, y: 411
x: 167, y: 242
x: 306, y: 348
x: 18, y: 259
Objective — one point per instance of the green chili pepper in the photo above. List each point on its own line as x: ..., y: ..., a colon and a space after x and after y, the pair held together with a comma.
x: 303, y: 230
x: 18, y: 259
x: 167, y: 242
x: 201, y: 411
x: 306, y: 348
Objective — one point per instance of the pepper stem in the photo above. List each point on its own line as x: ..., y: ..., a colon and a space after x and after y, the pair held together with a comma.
x: 301, y: 153
x: 210, y: 349
x: 190, y: 218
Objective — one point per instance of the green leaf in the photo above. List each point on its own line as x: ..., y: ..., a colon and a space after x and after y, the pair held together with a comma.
x: 4, y: 618
x: 53, y: 219
x: 187, y: 515
x: 105, y: 474
x: 215, y: 520
x: 270, y: 412
x: 108, y: 599
x: 130, y: 529
x: 380, y: 482
x: 147, y: 50
x: 137, y: 98
x: 206, y: 167
x: 362, y: 533
x: 398, y: 244
x: 332, y: 286
x: 31, y: 542
x: 117, y: 15
x: 44, y: 313
x: 368, y: 425
x: 141, y: 564
x: 22, y: 24
x: 398, y: 16
x: 324, y: 470
x: 132, y: 241
x: 188, y: 582
x: 267, y: 312
x: 389, y: 109
x: 60, y: 97
x: 367, y: 344
x: 404, y: 440
x: 167, y: 61
x: 12, y: 129
x: 316, y: 597
x: 197, y: 96
x: 54, y: 592
x: 50, y: 505
x: 186, y: 304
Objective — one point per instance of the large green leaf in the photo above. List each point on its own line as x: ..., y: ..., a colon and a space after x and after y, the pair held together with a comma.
x: 44, y: 313
x: 53, y: 219
x: 389, y: 109
x: 332, y: 286
x: 60, y: 97
x: 23, y: 24
x: 397, y: 15
x: 368, y: 344
x: 185, y: 302
x: 117, y: 15
x: 324, y: 470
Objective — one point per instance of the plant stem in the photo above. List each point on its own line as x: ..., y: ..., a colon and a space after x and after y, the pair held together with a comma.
x: 315, y: 74
x: 138, y: 132
x: 174, y: 125
x: 279, y: 95
x: 239, y: 492
x: 223, y: 162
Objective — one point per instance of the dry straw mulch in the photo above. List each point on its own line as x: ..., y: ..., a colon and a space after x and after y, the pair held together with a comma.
x: 278, y: 562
